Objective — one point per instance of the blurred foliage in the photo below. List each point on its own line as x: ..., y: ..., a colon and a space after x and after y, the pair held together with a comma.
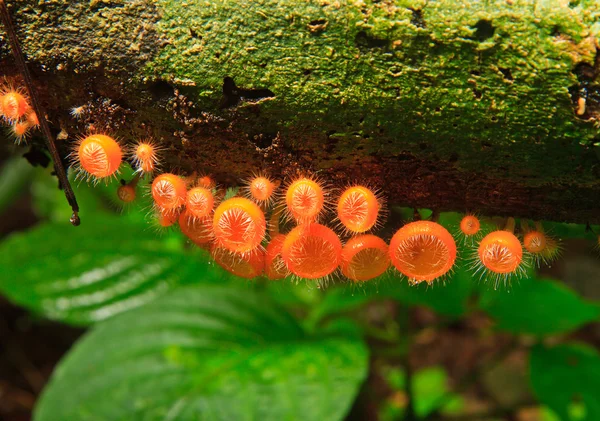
x: 430, y: 386
x: 567, y: 379
x: 539, y: 307
x: 431, y: 391
x: 174, y: 335
x: 15, y: 175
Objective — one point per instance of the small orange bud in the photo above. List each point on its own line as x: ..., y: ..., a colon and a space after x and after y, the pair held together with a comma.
x: 20, y: 130
x: 260, y: 189
x: 145, y: 156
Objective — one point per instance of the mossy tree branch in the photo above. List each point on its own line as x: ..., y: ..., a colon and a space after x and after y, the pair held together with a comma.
x: 487, y: 106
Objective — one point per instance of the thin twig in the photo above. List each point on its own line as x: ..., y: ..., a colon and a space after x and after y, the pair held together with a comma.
x: 39, y: 111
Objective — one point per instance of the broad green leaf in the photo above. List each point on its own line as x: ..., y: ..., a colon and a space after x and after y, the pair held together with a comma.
x: 84, y: 274
x: 538, y: 307
x: 566, y: 378
x: 206, y: 353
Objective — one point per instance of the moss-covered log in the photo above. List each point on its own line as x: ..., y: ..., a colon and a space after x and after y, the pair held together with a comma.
x: 490, y: 106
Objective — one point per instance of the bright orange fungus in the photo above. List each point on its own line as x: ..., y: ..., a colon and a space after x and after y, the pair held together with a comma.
x: 199, y: 230
x: 423, y: 251
x: 126, y: 193
x: 304, y: 199
x: 535, y: 242
x: 145, y: 156
x: 274, y: 265
x: 20, y: 130
x: 169, y: 192
x: 239, y: 225
x: 261, y: 189
x: 206, y: 181
x: 245, y: 265
x: 364, y: 257
x: 357, y: 209
x: 13, y: 105
x: 99, y: 155
x: 311, y: 251
x: 32, y: 118
x: 199, y: 201
x: 500, y: 252
x: 470, y: 225
x: 166, y: 219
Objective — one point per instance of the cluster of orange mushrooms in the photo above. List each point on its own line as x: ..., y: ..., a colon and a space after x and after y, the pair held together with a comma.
x: 17, y: 112
x: 243, y: 235
x: 243, y: 232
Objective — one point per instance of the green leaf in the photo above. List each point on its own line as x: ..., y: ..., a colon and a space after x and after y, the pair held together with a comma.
x: 292, y: 295
x: 566, y: 378
x: 564, y: 230
x: 84, y: 274
x: 429, y: 386
x: 430, y: 390
x: 546, y: 414
x: 538, y: 307
x: 206, y: 353
x: 449, y: 298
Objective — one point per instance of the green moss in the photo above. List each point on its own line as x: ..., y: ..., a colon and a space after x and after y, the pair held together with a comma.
x: 481, y: 79
x: 111, y: 36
